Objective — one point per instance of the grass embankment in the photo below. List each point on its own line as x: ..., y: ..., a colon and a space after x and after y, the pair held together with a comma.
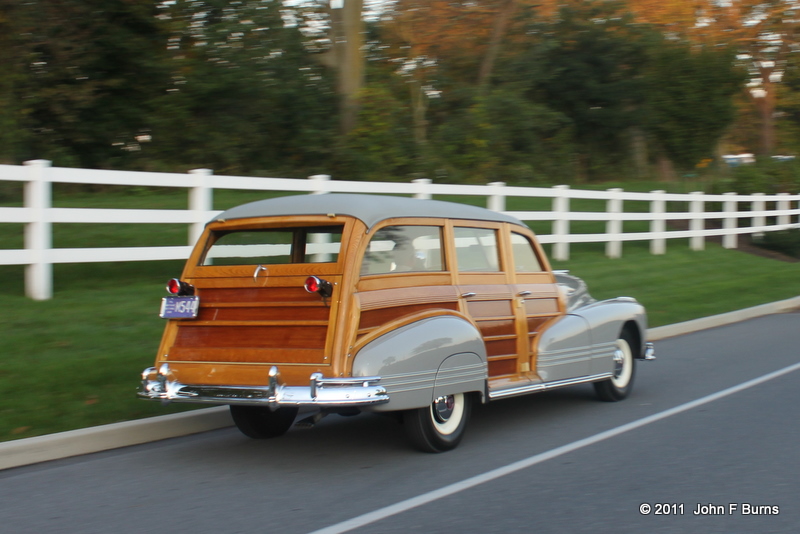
x: 74, y: 361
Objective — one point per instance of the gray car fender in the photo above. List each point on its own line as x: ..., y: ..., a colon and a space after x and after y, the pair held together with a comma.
x: 419, y: 361
x: 607, y: 319
x: 583, y: 342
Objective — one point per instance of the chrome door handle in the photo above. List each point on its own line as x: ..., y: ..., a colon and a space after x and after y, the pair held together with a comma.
x: 524, y: 293
x: 258, y: 270
x: 468, y: 295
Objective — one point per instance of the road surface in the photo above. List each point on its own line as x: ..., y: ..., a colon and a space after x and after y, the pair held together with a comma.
x: 728, y: 461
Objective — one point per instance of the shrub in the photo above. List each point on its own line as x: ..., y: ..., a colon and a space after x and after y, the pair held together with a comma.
x: 784, y: 241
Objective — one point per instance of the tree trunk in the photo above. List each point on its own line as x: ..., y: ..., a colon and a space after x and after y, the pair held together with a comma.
x: 419, y: 109
x: 766, y: 110
x: 639, y: 152
x: 666, y: 171
x: 499, y: 27
x: 349, y: 58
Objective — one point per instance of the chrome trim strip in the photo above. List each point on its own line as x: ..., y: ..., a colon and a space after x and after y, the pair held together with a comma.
x: 404, y: 382
x: 416, y: 381
x: 461, y: 374
x: 564, y: 356
x: 321, y: 392
x: 543, y: 386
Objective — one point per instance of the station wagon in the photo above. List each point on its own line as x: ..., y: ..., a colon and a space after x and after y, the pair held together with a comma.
x: 340, y: 303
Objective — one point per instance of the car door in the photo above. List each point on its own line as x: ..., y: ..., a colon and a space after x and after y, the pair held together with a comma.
x: 540, y: 306
x: 485, y: 293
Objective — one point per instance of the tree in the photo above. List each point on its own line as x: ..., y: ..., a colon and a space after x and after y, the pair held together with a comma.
x: 245, y: 95
x: 594, y: 56
x: 74, y: 69
x: 690, y: 99
x: 764, y: 33
x: 427, y: 38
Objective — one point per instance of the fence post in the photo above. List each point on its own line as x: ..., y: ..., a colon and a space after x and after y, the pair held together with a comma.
x: 497, y: 197
x: 696, y: 224
x: 201, y: 201
x: 561, y: 223
x: 422, y: 188
x: 784, y: 205
x: 614, y: 223
x: 759, y: 204
x: 320, y: 181
x: 730, y: 239
x: 38, y: 198
x: 658, y: 207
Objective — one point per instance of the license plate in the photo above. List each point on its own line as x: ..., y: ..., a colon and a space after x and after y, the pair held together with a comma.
x: 179, y: 307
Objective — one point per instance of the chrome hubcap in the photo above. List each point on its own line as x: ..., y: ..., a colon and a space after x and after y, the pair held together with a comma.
x: 443, y: 408
x: 619, y: 362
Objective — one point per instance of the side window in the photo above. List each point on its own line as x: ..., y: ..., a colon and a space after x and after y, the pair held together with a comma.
x: 476, y: 249
x: 397, y: 249
x: 525, y: 260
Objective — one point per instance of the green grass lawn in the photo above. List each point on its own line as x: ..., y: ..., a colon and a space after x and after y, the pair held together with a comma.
x: 684, y: 284
x: 74, y: 361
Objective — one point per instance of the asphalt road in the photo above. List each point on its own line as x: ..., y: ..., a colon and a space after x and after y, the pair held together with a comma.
x: 554, y: 462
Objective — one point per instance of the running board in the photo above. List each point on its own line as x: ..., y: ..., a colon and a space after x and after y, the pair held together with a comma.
x: 544, y: 386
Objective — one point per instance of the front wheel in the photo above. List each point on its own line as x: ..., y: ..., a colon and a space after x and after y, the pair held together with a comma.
x: 262, y: 423
x: 440, y: 426
x: 620, y: 384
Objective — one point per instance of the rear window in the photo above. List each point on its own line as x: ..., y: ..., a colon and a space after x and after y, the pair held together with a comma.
x: 272, y: 246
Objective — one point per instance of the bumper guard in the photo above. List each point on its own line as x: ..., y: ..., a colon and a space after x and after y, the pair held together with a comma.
x: 322, y: 392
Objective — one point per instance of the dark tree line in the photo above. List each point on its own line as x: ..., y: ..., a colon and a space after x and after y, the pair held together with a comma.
x: 472, y: 91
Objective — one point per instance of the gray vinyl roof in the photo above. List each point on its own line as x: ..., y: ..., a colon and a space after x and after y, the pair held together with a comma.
x: 370, y: 209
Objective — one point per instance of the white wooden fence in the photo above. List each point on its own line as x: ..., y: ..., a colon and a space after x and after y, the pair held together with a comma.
x: 764, y: 213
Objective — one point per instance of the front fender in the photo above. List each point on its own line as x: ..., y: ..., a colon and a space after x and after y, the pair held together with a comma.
x: 433, y: 356
x: 607, y: 319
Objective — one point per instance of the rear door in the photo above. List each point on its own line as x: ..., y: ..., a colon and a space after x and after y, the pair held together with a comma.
x: 486, y: 294
x: 254, y: 310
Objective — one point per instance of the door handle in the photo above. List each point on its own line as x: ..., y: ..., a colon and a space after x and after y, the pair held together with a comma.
x: 258, y: 270
x: 524, y: 294
x: 468, y: 294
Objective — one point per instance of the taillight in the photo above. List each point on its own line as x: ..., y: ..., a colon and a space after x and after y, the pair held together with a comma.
x: 180, y: 288
x: 318, y: 285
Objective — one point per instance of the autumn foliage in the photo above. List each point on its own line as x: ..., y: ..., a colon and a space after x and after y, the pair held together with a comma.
x: 530, y: 91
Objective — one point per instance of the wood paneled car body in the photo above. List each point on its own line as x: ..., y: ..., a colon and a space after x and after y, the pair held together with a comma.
x: 348, y: 303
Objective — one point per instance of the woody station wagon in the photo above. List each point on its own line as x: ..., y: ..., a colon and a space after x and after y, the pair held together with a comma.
x: 347, y: 303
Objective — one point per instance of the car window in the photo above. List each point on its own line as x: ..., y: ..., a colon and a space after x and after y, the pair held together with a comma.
x: 305, y: 244
x: 525, y: 259
x: 476, y: 249
x: 404, y: 249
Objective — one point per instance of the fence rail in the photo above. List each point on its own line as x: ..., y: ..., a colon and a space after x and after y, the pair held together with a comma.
x: 739, y: 214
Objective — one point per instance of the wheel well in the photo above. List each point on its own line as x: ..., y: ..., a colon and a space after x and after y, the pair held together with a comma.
x: 633, y: 330
x: 477, y: 397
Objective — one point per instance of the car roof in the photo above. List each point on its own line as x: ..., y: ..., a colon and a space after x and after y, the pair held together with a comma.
x: 370, y: 209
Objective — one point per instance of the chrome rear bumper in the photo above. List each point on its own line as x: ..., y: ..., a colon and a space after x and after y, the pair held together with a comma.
x: 321, y: 392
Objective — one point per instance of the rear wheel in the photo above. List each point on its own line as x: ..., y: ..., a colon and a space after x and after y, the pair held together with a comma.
x: 620, y: 384
x: 440, y: 426
x: 262, y: 423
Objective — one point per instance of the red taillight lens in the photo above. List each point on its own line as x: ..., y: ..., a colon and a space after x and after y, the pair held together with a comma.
x: 180, y: 288
x: 174, y: 286
x: 318, y: 285
x: 312, y: 284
